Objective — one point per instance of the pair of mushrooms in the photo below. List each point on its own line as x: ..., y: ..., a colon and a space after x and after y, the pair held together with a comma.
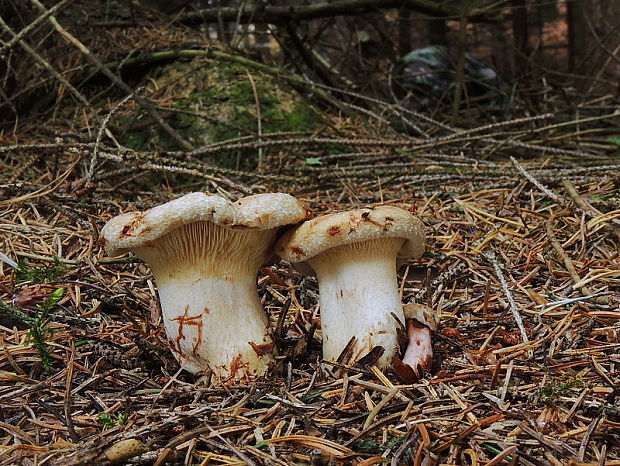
x: 205, y: 252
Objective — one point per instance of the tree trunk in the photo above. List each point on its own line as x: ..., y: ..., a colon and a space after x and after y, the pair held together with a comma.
x: 520, y: 34
x: 594, y: 49
x: 438, y: 32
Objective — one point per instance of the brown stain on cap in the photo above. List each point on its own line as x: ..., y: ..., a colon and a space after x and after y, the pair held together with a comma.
x: 131, y: 226
x: 297, y: 251
x: 334, y: 231
x: 365, y: 218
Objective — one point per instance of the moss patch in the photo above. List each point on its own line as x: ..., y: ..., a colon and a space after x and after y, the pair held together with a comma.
x: 214, y: 102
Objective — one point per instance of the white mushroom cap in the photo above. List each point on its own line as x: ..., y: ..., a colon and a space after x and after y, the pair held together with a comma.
x: 271, y: 210
x: 205, y: 252
x: 132, y: 230
x: 354, y: 226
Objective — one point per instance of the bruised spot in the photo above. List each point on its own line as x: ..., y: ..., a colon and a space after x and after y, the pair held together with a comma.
x: 131, y: 226
x: 418, y: 342
x: 224, y: 220
x: 206, y: 310
x: 341, y: 294
x: 389, y: 219
x: 366, y: 218
x: 175, y: 345
x: 263, y: 349
x: 334, y: 230
x: 298, y: 251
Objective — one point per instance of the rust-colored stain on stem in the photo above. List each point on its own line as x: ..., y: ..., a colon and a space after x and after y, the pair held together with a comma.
x: 193, y: 321
x: 236, y: 365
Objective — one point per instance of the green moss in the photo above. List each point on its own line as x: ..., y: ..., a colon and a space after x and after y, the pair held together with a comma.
x: 562, y: 386
x: 374, y: 447
x: 333, y: 149
x: 607, y: 196
x: 24, y: 273
x: 225, y: 97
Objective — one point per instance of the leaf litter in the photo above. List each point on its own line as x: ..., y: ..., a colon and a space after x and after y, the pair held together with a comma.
x: 521, y: 263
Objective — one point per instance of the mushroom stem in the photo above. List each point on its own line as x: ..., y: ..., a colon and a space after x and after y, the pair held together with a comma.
x: 419, y: 349
x: 222, y: 326
x: 359, y: 298
x: 210, y: 305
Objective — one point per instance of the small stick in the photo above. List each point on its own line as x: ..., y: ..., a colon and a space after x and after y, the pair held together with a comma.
x: 504, y: 390
x: 379, y: 406
x: 586, y: 439
x: 11, y: 262
x: 93, y: 161
x: 578, y: 200
x: 67, y: 402
x: 258, y: 121
x: 535, y: 182
x: 25, y: 31
x: 502, y: 455
x: 511, y: 301
x: 585, y: 206
x: 585, y: 291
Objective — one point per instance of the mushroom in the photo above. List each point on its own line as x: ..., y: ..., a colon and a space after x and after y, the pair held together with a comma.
x: 420, y: 320
x: 354, y: 256
x: 205, y: 252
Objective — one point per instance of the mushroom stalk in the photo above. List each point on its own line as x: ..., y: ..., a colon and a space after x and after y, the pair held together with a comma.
x: 210, y: 305
x: 419, y: 350
x: 359, y: 298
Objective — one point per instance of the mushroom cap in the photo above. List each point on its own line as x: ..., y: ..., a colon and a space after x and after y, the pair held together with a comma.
x: 322, y: 233
x: 263, y: 211
x: 423, y: 314
x: 260, y: 211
